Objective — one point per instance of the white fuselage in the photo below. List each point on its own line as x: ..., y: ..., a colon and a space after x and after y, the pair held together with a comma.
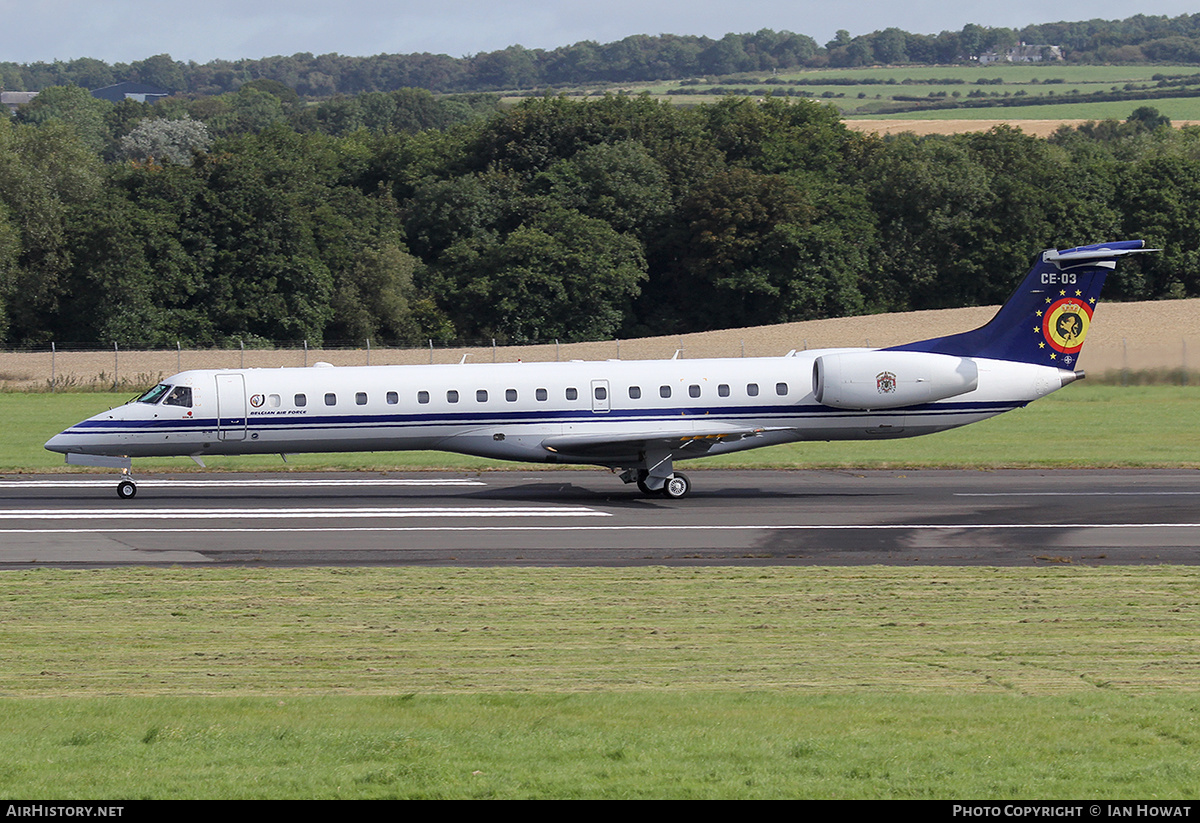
x: 516, y: 411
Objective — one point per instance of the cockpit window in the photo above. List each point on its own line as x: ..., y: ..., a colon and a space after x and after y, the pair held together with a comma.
x: 179, y: 396
x: 155, y: 394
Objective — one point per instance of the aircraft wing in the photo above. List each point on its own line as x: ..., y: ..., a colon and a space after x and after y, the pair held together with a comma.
x: 616, y: 446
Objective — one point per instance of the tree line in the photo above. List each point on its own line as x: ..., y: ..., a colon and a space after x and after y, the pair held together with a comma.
x: 638, y: 58
x: 554, y: 219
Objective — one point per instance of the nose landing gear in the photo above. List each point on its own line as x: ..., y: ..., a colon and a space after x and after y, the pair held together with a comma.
x: 126, y: 488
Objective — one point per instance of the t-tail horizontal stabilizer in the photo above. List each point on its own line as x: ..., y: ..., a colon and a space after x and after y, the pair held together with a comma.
x: 1046, y: 319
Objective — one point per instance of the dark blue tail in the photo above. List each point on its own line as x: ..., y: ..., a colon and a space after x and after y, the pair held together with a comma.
x: 1047, y: 318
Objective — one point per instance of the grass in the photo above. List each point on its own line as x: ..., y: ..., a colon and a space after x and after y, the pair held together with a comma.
x: 727, y: 746
x: 715, y: 683
x: 1084, y: 425
x: 880, y: 85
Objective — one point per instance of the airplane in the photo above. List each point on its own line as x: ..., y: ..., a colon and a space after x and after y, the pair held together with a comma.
x: 635, y: 417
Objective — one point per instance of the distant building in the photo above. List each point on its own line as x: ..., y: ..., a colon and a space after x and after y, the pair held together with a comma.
x: 1022, y: 54
x: 12, y: 99
x: 131, y: 91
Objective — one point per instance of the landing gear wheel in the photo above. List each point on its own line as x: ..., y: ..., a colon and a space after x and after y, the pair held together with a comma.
x: 677, y: 487
x: 641, y: 482
x: 126, y: 490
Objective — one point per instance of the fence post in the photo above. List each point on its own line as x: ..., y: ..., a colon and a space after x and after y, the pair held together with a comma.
x: 116, y: 364
x: 1124, y: 361
x: 368, y: 351
x: 242, y: 347
x: 306, y: 352
x: 431, y: 351
x: 178, y: 357
x: 53, y: 354
x: 493, y: 350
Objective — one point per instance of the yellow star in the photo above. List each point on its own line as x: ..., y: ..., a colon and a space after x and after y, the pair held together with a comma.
x: 1041, y: 345
x: 1092, y: 300
x: 1078, y: 292
x: 1062, y: 293
x: 1047, y: 299
x: 1039, y: 314
x: 1053, y: 356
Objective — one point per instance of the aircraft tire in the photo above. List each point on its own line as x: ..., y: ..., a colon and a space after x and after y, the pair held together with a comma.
x: 641, y: 482
x: 677, y: 487
x: 126, y: 490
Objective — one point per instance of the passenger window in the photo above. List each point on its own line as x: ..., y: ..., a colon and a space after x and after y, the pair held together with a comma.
x: 273, y: 400
x: 572, y: 394
x: 393, y: 398
x: 361, y: 398
x: 300, y: 400
x: 452, y: 396
x: 510, y: 395
x: 664, y: 391
x: 635, y: 392
x: 752, y: 389
x: 781, y: 389
x: 601, y: 393
x: 422, y: 397
x: 694, y: 390
x: 541, y: 394
x: 481, y: 396
x: 179, y: 396
x: 723, y: 390
x: 330, y: 399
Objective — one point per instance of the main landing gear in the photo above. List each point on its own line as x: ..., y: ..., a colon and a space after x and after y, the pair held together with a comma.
x: 675, y: 487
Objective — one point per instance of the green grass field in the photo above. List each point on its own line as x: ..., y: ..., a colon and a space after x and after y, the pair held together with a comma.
x: 1084, y: 425
x: 862, y: 92
x: 715, y: 683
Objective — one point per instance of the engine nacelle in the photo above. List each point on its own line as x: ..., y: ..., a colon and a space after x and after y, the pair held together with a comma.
x: 890, y: 379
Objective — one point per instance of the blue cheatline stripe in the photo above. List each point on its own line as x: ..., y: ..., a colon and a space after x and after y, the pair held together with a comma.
x: 715, y: 415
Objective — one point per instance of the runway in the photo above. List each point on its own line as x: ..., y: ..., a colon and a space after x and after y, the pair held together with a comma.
x: 589, y: 518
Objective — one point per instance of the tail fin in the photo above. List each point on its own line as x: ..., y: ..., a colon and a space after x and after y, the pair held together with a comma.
x: 1046, y: 319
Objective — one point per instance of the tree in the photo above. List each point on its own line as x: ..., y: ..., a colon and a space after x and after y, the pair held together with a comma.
x: 1148, y: 118
x: 373, y: 300
x: 748, y: 249
x: 165, y: 141
x: 45, y: 173
x: 561, y: 275
x: 74, y: 107
x: 619, y: 183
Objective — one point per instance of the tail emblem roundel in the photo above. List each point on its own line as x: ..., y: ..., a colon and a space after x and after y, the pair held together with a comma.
x: 1065, y: 324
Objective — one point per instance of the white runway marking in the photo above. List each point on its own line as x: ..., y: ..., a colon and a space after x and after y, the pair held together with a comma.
x: 1132, y: 493
x: 764, y: 527
x: 297, y: 513
x: 234, y: 483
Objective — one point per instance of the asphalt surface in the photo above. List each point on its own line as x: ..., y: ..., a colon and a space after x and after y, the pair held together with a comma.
x: 589, y: 518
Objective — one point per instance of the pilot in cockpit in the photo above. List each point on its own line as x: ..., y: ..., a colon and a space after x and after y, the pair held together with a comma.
x: 179, y: 396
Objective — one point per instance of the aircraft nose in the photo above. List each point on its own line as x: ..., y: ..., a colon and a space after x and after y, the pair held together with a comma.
x: 57, y: 443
